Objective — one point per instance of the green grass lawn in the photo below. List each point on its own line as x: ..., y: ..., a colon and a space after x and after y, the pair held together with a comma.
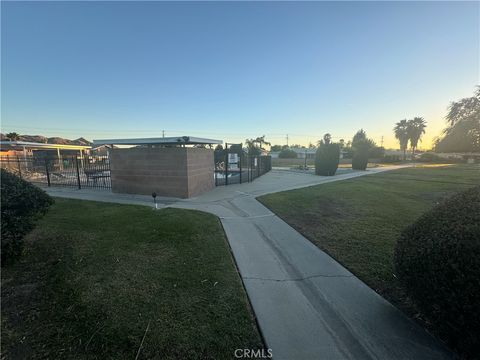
x: 358, y: 221
x: 95, y: 276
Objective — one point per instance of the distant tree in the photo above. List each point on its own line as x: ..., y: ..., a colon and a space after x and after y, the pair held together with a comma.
x: 359, y: 135
x: 361, y: 146
x: 276, y: 148
x: 401, y: 134
x: 463, y: 131
x: 255, y: 146
x: 416, y: 128
x: 311, y: 146
x: 327, y: 139
x: 341, y: 143
x: 13, y: 136
x: 464, y: 108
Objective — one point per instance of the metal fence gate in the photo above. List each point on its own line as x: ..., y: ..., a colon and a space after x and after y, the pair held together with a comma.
x: 80, y: 172
x: 234, y: 166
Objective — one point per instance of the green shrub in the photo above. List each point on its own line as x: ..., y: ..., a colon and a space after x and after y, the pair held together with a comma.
x: 391, y: 158
x: 429, y: 157
x: 287, y: 154
x: 361, y: 150
x: 22, y: 204
x: 438, y: 260
x: 327, y: 158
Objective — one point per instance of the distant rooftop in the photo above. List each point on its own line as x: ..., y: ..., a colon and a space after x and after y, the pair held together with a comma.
x: 34, y: 145
x: 177, y: 140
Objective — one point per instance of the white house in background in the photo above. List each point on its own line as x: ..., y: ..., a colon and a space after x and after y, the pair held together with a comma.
x: 301, y: 153
x: 26, y: 148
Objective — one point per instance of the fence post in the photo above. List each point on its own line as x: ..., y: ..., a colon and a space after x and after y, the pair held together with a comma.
x: 78, y: 173
x: 46, y: 171
x: 259, y: 160
x: 226, y: 168
x: 240, y: 168
x: 19, y: 168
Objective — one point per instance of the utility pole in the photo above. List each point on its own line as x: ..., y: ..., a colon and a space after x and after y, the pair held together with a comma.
x: 163, y: 133
x: 287, y: 139
x: 381, y: 142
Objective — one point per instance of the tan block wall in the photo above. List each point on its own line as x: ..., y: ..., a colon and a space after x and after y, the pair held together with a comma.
x: 200, y: 168
x: 176, y: 172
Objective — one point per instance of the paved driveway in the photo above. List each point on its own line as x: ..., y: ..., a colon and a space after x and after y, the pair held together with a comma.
x: 307, y: 305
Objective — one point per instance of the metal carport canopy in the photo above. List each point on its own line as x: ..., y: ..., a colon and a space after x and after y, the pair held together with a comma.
x: 177, y: 140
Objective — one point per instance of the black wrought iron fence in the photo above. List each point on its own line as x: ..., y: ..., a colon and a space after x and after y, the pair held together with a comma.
x: 81, y: 172
x: 240, y: 169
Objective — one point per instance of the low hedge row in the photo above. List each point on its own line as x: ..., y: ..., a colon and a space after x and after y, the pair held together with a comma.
x: 22, y: 204
x: 438, y: 260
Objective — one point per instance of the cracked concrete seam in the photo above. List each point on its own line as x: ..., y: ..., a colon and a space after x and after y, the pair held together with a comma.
x: 296, y: 279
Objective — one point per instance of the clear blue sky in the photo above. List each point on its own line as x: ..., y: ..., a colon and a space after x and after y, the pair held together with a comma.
x: 234, y: 70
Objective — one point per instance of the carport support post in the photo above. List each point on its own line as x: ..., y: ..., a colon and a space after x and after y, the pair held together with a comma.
x: 25, y: 157
x: 78, y: 173
x: 60, y: 161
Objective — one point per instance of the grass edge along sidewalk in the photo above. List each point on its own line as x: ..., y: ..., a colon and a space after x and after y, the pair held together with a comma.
x: 358, y: 221
x: 95, y: 275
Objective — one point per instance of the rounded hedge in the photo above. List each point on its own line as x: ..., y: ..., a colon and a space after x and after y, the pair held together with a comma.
x: 361, y: 150
x: 438, y: 260
x: 22, y: 204
x: 327, y: 158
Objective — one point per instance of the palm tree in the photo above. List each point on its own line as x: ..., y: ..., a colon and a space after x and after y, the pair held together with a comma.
x: 360, y: 135
x: 13, y: 136
x: 327, y: 139
x: 401, y: 133
x: 415, y: 130
x: 255, y: 146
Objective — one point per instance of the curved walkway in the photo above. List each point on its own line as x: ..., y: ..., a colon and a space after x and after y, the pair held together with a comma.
x: 307, y: 305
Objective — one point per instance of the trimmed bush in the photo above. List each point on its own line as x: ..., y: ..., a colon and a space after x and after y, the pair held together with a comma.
x: 327, y: 158
x: 287, y: 154
x: 391, y: 158
x: 361, y: 150
x: 438, y: 260
x: 22, y: 204
x: 429, y: 157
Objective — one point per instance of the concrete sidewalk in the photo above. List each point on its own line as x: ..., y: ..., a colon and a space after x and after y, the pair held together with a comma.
x: 307, y: 305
